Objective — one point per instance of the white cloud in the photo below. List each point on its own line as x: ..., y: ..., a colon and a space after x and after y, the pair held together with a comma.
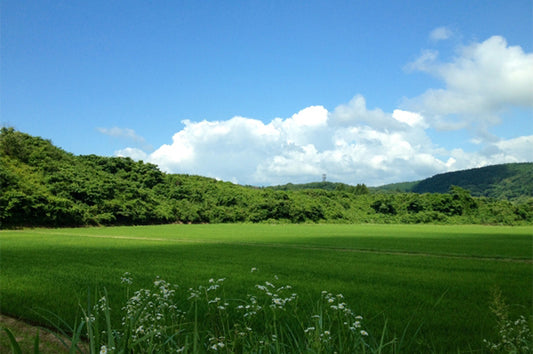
x: 483, y: 81
x: 370, y: 146
x: 517, y: 149
x: 134, y: 153
x: 224, y: 149
x: 410, y: 118
x: 127, y: 134
x: 356, y: 112
x: 122, y: 133
x: 440, y: 33
x: 351, y: 144
x: 503, y: 151
x: 356, y: 144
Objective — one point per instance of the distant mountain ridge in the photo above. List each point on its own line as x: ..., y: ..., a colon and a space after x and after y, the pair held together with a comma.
x: 511, y: 181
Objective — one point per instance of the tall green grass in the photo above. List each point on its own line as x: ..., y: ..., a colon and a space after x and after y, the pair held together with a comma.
x: 387, y: 273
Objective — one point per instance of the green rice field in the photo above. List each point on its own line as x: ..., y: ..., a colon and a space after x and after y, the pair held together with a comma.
x: 433, y: 283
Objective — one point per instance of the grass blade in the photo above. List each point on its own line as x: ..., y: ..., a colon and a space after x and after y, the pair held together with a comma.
x: 36, y: 344
x: 15, y: 347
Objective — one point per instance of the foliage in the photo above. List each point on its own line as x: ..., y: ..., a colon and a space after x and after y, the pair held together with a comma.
x: 328, y: 186
x: 42, y: 185
x: 512, y: 181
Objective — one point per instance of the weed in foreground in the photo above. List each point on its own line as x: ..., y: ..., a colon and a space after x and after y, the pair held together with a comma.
x: 514, y: 336
x: 166, y: 318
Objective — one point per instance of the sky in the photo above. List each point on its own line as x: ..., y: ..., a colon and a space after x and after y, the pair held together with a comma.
x: 273, y: 92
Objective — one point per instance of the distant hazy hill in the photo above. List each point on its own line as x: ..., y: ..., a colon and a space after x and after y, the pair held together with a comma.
x: 507, y: 181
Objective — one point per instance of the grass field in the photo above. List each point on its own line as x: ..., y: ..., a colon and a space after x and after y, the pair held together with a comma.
x: 438, y: 278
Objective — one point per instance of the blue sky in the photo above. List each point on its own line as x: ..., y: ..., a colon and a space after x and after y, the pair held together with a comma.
x: 271, y: 92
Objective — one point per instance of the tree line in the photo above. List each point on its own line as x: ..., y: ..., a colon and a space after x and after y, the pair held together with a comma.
x: 42, y: 185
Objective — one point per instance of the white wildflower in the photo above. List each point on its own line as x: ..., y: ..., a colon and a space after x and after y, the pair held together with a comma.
x: 215, y: 300
x: 126, y: 278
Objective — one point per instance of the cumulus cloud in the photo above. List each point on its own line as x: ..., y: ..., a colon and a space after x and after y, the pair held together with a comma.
x: 410, y: 118
x: 356, y: 144
x: 352, y: 144
x: 134, y: 153
x: 481, y: 82
x: 375, y: 148
x: 223, y: 149
x: 503, y: 151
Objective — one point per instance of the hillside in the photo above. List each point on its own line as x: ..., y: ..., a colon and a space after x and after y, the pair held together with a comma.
x: 507, y: 181
x: 43, y: 185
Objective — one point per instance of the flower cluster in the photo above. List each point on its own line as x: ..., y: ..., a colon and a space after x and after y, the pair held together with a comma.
x: 335, y: 323
x: 277, y: 296
x: 166, y: 318
x: 514, y: 336
x: 151, y: 314
x: 216, y: 344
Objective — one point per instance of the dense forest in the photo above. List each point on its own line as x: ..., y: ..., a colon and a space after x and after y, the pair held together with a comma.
x: 42, y: 185
x: 512, y: 181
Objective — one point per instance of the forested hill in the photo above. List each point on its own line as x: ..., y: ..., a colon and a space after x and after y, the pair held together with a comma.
x: 512, y: 181
x: 43, y: 185
x: 507, y: 181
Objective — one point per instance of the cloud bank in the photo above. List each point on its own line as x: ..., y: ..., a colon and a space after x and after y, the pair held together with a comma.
x: 356, y: 144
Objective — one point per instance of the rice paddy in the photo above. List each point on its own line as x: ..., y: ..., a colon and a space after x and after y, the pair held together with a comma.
x: 433, y: 283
